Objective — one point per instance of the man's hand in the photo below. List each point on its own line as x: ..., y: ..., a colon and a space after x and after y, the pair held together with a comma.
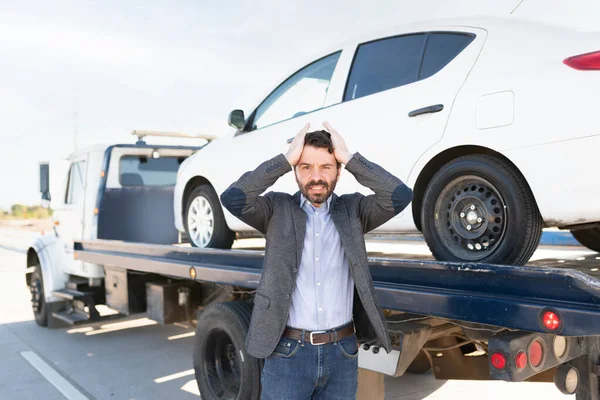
x: 296, y: 147
x: 340, y: 151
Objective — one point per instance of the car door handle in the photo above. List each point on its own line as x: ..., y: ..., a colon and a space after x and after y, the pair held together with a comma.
x: 426, y: 110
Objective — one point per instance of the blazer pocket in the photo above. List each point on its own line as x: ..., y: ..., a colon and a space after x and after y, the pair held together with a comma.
x: 261, y: 301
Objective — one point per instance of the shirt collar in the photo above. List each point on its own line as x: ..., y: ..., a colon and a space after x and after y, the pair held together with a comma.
x: 325, y: 206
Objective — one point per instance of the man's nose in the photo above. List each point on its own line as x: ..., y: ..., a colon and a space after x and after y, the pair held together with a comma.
x: 316, y: 175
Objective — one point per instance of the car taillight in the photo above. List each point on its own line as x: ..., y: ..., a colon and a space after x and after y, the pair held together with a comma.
x: 584, y: 62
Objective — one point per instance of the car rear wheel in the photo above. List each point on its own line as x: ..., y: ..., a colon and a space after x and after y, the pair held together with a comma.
x: 479, y: 209
x: 204, y: 220
x: 590, y: 238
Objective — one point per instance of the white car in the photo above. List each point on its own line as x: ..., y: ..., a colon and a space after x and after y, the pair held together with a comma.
x: 492, y: 121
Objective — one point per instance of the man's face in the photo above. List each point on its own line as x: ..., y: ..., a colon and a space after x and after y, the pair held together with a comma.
x: 317, y: 174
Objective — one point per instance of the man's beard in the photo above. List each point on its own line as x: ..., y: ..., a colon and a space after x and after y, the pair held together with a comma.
x: 317, y: 198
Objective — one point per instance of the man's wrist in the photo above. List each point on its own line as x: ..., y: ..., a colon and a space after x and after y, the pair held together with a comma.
x: 346, y: 157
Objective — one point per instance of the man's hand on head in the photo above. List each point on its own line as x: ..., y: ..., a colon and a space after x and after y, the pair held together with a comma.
x: 340, y: 150
x: 295, y: 151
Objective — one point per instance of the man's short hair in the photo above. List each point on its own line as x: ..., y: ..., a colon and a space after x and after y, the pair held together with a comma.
x: 321, y: 140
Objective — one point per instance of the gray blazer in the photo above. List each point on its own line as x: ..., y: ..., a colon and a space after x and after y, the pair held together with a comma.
x: 279, y: 217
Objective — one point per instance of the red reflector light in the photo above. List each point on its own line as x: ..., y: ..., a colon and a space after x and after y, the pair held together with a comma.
x: 551, y: 320
x: 498, y: 360
x: 521, y: 360
x: 536, y: 354
x: 584, y: 62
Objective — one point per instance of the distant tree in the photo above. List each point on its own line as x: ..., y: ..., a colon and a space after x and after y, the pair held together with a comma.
x: 20, y: 211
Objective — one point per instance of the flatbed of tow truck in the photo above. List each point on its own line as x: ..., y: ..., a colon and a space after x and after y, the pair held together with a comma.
x: 432, y: 307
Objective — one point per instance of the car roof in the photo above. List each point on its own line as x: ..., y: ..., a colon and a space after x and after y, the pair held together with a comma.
x: 486, y: 22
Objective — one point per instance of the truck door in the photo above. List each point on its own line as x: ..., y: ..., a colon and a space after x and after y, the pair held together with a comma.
x: 68, y: 212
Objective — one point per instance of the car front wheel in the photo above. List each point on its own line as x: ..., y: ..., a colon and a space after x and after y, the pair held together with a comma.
x: 479, y: 209
x: 204, y: 220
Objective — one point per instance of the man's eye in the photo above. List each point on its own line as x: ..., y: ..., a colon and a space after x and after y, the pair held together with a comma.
x: 327, y: 167
x: 305, y: 167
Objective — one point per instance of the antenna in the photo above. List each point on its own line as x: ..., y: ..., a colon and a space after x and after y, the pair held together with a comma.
x: 141, y: 134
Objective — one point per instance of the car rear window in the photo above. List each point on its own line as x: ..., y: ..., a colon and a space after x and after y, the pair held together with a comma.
x: 442, y: 48
x: 148, y: 171
x: 397, y: 61
x: 385, y: 64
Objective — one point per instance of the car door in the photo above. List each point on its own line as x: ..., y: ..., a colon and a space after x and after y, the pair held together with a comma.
x: 398, y: 96
x: 282, y: 114
x: 69, y: 213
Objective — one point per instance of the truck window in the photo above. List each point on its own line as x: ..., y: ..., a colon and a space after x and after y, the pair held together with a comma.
x: 75, y: 183
x: 385, y: 64
x: 148, y: 171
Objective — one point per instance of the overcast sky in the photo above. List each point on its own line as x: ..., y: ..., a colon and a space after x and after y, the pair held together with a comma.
x: 103, y: 68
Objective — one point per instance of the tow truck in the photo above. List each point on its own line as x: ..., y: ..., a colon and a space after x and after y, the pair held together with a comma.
x: 114, y: 243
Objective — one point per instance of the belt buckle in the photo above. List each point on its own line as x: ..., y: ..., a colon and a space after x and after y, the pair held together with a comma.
x: 312, y: 337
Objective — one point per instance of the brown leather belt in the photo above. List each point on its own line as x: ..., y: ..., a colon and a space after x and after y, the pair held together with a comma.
x: 320, y: 337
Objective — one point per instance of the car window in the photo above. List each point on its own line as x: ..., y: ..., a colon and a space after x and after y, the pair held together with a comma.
x: 442, y: 48
x: 303, y: 92
x: 148, y: 171
x: 385, y: 64
x: 76, y: 183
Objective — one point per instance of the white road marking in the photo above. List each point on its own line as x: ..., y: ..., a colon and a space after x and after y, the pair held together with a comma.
x: 57, y: 380
x: 174, y: 376
x: 183, y: 335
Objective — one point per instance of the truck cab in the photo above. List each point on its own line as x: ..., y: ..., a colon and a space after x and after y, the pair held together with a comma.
x: 118, y: 192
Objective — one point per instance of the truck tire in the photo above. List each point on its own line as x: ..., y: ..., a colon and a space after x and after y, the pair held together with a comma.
x: 38, y: 303
x: 478, y: 208
x: 590, y: 238
x: 222, y: 367
x: 204, y: 220
x: 420, y: 364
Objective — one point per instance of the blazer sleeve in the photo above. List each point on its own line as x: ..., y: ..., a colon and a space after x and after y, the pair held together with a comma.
x: 390, y: 197
x: 243, y: 198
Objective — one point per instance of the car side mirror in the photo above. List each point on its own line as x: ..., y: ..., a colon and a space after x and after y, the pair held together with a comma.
x: 45, y: 181
x: 237, y: 119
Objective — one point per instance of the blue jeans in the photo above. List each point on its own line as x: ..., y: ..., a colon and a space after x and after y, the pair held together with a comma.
x: 298, y: 370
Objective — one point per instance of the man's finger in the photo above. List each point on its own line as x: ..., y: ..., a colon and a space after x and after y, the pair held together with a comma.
x: 305, y: 129
x: 300, y: 135
x: 329, y: 128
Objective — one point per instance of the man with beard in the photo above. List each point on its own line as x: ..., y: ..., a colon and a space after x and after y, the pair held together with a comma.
x: 315, y: 301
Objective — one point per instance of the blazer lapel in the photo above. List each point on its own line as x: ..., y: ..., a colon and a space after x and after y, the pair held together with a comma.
x: 339, y: 215
x: 299, y: 219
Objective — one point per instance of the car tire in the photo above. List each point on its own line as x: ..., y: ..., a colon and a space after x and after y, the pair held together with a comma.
x: 38, y: 302
x: 222, y: 367
x: 204, y: 220
x: 478, y: 208
x: 590, y: 238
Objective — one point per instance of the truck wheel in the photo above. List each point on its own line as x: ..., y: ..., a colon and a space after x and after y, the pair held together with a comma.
x: 223, y: 368
x: 479, y: 209
x: 590, y: 238
x: 38, y: 303
x: 204, y: 220
x: 420, y: 364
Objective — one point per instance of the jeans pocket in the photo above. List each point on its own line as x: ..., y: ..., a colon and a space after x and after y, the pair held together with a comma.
x: 349, y: 346
x: 286, y: 348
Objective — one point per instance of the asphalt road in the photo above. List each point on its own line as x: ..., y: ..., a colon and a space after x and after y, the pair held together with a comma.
x: 139, y: 359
